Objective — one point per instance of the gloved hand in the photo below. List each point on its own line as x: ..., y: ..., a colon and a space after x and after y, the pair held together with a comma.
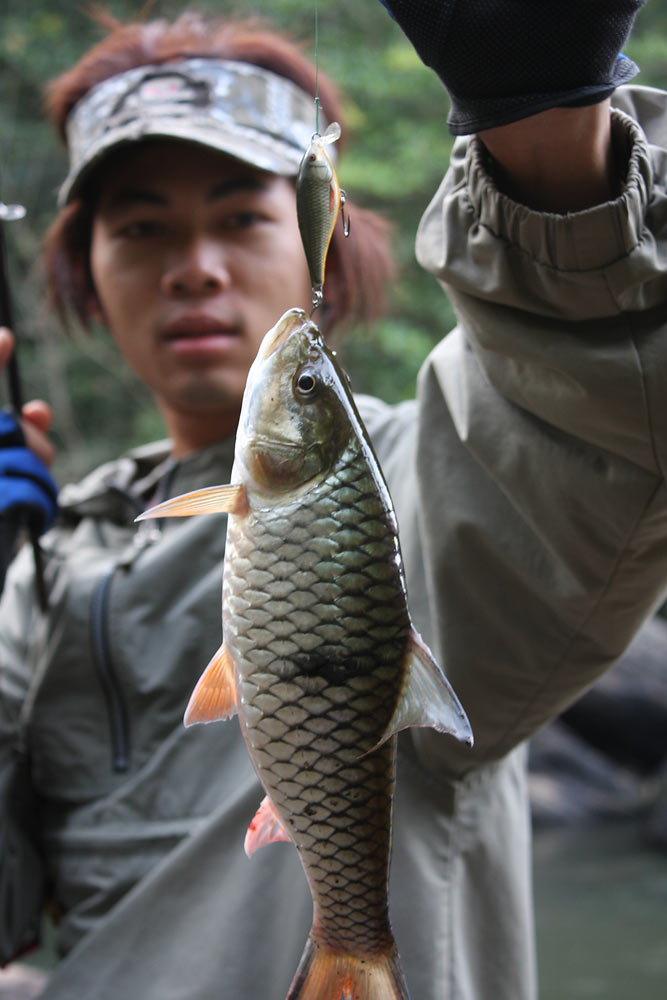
x: 502, y: 60
x: 26, y: 485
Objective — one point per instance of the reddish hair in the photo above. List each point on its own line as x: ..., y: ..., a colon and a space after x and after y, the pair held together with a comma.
x: 363, y: 265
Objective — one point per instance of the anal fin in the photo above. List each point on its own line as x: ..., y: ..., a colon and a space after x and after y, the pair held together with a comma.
x: 266, y: 827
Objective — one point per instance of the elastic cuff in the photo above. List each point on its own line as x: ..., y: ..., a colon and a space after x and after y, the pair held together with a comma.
x: 585, y: 240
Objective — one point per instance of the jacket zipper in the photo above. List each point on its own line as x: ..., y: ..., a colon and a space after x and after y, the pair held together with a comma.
x: 99, y: 630
x: 99, y: 627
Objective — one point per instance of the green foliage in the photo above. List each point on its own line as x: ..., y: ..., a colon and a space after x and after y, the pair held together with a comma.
x: 397, y: 149
x: 386, y: 359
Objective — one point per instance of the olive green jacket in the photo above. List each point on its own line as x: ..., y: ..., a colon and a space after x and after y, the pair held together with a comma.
x: 529, y: 485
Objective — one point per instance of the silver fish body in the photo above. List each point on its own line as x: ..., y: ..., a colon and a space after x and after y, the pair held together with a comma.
x: 316, y: 622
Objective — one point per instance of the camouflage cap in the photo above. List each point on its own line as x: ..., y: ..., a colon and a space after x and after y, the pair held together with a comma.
x: 238, y: 108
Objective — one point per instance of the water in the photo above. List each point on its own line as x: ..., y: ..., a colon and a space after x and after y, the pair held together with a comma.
x: 601, y: 912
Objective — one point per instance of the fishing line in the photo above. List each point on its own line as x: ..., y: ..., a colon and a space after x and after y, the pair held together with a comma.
x: 317, y: 69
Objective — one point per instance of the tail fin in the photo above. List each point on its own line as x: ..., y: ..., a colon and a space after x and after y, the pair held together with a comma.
x: 324, y: 974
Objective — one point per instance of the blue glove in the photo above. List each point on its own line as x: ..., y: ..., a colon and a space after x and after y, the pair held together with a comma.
x: 27, y: 488
x: 502, y: 60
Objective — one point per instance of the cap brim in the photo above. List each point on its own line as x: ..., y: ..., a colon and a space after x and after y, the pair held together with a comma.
x: 256, y: 149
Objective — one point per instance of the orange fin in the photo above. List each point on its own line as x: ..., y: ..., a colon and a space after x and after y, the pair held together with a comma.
x: 427, y: 698
x: 329, y: 974
x: 214, y: 696
x: 265, y: 828
x: 231, y: 499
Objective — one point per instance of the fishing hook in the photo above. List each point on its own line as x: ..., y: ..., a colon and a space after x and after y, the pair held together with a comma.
x: 344, y: 219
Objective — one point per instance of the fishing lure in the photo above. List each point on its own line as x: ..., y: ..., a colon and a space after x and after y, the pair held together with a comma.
x: 319, y: 199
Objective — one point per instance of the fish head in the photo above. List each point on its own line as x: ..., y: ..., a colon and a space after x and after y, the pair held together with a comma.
x: 316, y: 166
x: 297, y: 414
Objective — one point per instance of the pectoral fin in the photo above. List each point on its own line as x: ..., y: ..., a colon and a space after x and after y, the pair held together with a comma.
x: 214, y: 696
x: 211, y: 500
x: 265, y: 828
x: 428, y: 698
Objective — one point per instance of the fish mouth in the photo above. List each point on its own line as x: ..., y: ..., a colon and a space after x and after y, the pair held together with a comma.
x: 293, y: 319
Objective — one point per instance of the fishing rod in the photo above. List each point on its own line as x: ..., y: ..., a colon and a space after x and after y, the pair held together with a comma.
x: 11, y: 213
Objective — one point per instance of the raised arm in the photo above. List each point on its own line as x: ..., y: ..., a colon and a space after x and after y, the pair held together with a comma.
x: 533, y: 80
x: 542, y: 437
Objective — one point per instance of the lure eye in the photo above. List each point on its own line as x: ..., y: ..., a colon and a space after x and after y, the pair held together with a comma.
x: 305, y: 385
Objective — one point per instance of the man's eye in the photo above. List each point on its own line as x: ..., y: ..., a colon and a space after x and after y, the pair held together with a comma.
x: 141, y: 228
x: 242, y: 220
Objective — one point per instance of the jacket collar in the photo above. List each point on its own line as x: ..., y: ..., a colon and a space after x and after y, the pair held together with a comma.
x: 119, y: 489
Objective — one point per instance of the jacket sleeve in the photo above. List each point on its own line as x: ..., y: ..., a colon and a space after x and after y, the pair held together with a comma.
x: 21, y: 869
x: 542, y: 443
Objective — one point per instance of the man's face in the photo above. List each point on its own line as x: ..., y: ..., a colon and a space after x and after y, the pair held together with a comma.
x: 194, y: 257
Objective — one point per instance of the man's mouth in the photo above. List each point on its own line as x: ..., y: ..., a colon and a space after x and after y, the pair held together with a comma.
x: 199, y: 332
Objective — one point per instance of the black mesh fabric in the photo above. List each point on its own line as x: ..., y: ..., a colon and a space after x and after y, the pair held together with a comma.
x: 502, y: 60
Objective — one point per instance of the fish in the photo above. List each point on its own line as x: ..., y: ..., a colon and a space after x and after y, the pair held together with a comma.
x: 319, y: 199
x: 320, y: 659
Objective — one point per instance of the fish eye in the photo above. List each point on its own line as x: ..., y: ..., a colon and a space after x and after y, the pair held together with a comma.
x: 305, y: 384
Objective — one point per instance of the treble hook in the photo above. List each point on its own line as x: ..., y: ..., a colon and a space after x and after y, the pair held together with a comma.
x: 345, y: 220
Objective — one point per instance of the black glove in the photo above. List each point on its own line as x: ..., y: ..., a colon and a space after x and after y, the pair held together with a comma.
x: 502, y: 60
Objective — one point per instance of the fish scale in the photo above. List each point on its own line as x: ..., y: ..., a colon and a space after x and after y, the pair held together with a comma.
x: 306, y: 732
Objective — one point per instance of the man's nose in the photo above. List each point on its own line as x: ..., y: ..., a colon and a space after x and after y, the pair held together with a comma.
x: 197, y: 267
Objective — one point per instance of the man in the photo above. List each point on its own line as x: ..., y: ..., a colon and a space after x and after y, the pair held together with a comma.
x: 527, y: 480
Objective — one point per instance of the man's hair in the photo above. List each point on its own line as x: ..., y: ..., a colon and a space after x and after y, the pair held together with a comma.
x: 363, y: 262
